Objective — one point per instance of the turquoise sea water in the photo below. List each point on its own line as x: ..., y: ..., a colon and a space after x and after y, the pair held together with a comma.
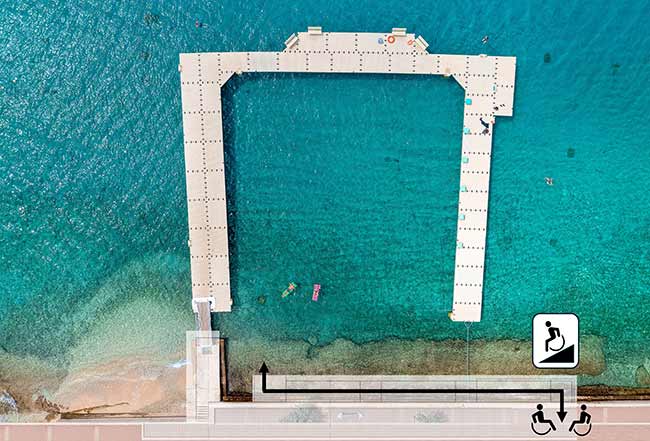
x: 347, y: 181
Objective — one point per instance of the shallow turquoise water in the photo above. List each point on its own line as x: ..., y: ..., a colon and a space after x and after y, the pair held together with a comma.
x: 346, y: 181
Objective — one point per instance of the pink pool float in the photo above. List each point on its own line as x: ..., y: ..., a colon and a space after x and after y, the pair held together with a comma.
x: 316, y: 292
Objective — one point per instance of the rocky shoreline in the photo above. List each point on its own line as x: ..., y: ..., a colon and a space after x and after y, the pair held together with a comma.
x: 147, y: 385
x: 395, y: 356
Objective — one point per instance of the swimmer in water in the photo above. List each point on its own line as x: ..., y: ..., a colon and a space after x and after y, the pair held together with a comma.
x: 549, y: 181
x: 485, y: 39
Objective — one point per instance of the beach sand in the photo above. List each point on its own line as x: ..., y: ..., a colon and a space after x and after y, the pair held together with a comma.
x: 123, y: 352
x: 146, y: 384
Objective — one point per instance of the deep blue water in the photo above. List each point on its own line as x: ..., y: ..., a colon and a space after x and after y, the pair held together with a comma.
x: 347, y: 181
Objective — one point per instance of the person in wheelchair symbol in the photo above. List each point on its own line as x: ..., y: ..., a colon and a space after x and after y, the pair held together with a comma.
x: 554, y: 334
x: 538, y: 418
x: 584, y: 418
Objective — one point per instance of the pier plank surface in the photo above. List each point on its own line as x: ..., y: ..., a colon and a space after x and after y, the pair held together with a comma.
x: 489, y: 84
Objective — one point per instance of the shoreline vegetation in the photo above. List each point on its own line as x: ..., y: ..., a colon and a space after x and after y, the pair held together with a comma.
x: 148, y: 385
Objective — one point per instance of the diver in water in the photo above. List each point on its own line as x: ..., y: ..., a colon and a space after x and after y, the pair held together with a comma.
x: 485, y: 39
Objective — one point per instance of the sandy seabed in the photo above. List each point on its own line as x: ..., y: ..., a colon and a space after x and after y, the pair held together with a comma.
x: 143, y: 384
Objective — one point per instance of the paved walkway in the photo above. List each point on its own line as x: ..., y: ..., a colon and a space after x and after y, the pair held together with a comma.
x: 624, y: 421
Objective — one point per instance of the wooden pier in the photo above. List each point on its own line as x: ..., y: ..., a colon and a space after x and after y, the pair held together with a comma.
x: 488, y: 81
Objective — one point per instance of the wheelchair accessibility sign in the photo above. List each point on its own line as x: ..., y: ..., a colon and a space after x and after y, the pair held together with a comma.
x: 556, y: 341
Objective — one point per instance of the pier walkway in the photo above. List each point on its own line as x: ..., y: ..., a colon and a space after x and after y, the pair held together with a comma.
x: 488, y: 81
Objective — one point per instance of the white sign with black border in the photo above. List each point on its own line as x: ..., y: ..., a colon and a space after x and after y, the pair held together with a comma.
x: 556, y: 341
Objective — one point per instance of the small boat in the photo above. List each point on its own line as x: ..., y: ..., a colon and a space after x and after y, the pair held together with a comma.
x: 290, y: 289
x: 314, y: 295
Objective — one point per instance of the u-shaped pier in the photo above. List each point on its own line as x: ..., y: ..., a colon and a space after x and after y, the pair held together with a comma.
x: 489, y: 84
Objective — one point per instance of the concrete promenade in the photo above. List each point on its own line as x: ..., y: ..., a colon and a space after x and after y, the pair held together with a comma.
x: 624, y: 421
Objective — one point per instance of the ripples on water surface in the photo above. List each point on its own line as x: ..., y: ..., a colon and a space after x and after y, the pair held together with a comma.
x: 345, y: 181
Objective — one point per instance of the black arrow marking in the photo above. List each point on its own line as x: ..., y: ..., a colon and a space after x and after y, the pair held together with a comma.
x: 264, y: 370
